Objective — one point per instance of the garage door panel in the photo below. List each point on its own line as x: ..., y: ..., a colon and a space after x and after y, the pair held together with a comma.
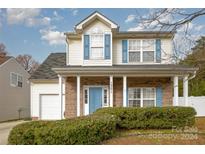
x: 50, y: 107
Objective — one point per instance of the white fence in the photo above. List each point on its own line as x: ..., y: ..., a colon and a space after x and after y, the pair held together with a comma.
x: 196, y: 102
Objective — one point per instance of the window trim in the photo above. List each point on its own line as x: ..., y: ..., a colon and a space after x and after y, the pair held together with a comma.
x: 141, y: 51
x: 103, y: 46
x: 141, y: 95
x: 86, y: 89
x: 18, y: 75
x: 103, y: 95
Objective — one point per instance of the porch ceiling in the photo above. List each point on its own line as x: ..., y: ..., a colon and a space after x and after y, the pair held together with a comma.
x: 128, y: 70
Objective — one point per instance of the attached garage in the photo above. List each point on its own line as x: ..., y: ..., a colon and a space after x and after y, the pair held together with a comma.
x: 50, y: 107
x: 45, y: 103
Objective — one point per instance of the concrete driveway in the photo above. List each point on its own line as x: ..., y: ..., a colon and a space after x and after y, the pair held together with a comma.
x: 5, y: 128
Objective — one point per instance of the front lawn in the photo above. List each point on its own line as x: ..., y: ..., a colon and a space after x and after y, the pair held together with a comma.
x: 193, y: 135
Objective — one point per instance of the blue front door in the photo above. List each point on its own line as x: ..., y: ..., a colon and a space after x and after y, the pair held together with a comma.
x: 95, y: 99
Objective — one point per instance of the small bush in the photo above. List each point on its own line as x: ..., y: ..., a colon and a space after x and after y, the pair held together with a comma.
x: 84, y: 130
x: 152, y: 117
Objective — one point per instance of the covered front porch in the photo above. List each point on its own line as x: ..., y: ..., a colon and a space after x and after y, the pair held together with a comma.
x: 88, y: 90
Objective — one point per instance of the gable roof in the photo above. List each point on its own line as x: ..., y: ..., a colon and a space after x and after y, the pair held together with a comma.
x: 117, y: 34
x: 92, y: 17
x: 45, y: 71
x: 4, y: 59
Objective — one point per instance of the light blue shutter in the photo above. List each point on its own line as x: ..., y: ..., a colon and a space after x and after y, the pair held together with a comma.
x: 124, y: 51
x: 158, y: 50
x: 107, y: 46
x: 86, y: 46
x: 159, y: 96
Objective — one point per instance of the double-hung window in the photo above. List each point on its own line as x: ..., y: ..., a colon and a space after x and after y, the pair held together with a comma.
x: 148, y: 50
x: 16, y: 80
x: 141, y: 97
x: 134, y: 50
x: 148, y: 97
x: 141, y: 51
x: 97, y: 46
x: 134, y: 97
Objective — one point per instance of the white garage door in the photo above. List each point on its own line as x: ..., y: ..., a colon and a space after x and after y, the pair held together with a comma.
x: 50, y: 107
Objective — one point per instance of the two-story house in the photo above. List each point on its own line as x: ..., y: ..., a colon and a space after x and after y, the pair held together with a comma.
x: 104, y: 67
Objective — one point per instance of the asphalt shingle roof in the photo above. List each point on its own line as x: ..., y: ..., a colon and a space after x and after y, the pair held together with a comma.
x: 58, y: 60
x: 45, y: 71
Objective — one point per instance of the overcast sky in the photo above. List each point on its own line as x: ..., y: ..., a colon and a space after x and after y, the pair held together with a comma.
x: 39, y: 32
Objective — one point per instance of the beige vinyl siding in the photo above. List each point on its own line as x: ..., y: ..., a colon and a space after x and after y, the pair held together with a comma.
x: 96, y: 25
x: 167, y: 51
x: 76, y: 48
x: 75, y: 52
x: 13, y: 98
x: 117, y: 51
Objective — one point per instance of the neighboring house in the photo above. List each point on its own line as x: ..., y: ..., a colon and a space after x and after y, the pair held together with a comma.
x: 14, y: 90
x: 104, y: 67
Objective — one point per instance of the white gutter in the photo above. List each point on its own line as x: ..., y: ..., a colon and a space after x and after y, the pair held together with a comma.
x: 193, y: 76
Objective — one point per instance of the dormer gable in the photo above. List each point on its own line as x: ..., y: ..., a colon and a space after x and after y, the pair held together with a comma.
x: 96, y: 16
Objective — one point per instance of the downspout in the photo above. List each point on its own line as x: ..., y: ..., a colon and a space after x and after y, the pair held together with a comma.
x: 67, y: 50
x: 193, y: 76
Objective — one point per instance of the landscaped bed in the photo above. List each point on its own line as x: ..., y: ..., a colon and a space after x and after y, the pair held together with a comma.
x: 118, y: 123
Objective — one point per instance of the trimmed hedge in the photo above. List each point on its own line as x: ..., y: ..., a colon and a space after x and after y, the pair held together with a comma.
x: 84, y: 130
x: 100, y: 126
x: 151, y: 117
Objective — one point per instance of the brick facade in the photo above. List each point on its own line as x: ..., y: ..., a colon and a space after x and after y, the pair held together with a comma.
x: 71, y: 97
x: 117, y: 92
x: 165, y: 83
x: 71, y: 88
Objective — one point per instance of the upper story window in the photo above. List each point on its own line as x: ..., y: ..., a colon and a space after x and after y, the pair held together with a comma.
x: 97, y: 46
x: 16, y: 80
x: 141, y: 51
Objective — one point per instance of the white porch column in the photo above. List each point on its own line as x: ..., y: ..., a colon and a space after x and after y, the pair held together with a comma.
x: 61, y: 94
x: 124, y: 91
x: 176, y: 93
x: 78, y: 95
x: 111, y: 91
x: 185, y: 90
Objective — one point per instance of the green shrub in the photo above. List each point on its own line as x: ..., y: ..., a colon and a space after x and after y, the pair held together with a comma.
x: 151, y: 117
x: 84, y: 130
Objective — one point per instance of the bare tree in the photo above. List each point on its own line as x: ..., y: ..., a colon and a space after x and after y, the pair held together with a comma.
x: 174, y: 20
x: 3, y: 51
x: 179, y: 18
x: 28, y: 62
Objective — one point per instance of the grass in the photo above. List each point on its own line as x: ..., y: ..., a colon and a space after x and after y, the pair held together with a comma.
x: 194, y: 135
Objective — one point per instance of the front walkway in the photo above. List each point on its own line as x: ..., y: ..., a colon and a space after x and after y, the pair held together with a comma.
x: 5, y: 128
